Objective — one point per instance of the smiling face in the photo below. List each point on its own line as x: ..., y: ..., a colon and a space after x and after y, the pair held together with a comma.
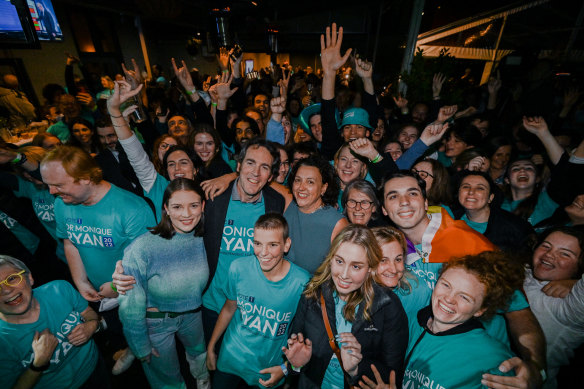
x: 184, y: 209
x: 269, y: 248
x: 82, y: 133
x: 379, y: 131
x: 404, y: 204
x: 501, y: 157
x: 349, y: 167
x: 349, y: 268
x: 457, y: 297
x: 394, y: 149
x: 354, y: 131
x: 205, y: 146
x: 407, y: 136
x: 254, y: 172
x: 63, y: 185
x: 556, y: 258
x: 522, y: 175
x: 15, y: 301
x: 474, y: 193
x: 243, y: 133
x: 308, y: 188
x: 179, y: 165
x: 454, y: 146
x: 262, y: 103
x: 391, y: 267
x: 357, y: 214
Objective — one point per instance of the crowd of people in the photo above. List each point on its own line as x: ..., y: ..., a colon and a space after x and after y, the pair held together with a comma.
x: 293, y: 228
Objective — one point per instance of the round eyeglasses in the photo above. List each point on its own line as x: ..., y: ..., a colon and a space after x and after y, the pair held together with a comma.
x: 13, y: 279
x: 365, y: 204
x: 422, y: 174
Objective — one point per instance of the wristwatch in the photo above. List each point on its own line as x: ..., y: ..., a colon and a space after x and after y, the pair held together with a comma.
x: 39, y: 368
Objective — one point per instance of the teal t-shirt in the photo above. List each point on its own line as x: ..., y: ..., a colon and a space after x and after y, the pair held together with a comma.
x: 417, y: 298
x: 496, y: 327
x: 156, y: 194
x: 544, y: 208
x: 259, y: 328
x: 236, y: 242
x: 60, y: 312
x: 102, y: 231
x: 478, y: 227
x: 29, y: 240
x: 43, y: 204
x: 333, y: 376
x: 452, y: 361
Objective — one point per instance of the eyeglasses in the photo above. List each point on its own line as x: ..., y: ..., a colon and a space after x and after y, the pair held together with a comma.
x: 365, y: 204
x: 422, y: 173
x: 13, y: 279
x: 285, y: 163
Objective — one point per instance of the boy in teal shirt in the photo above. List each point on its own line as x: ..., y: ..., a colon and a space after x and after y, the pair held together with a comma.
x: 262, y: 295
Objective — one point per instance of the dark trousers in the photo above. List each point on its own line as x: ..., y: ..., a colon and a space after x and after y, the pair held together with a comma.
x: 227, y: 380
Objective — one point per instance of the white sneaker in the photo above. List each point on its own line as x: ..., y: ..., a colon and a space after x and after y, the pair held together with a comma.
x: 124, y: 362
x: 204, y: 384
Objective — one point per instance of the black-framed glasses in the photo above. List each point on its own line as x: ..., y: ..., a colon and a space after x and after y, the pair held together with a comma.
x: 365, y: 204
x: 13, y: 279
x: 422, y: 173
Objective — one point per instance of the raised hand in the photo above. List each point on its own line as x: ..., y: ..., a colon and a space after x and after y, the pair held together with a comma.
x: 494, y: 84
x: 478, y: 164
x: 437, y: 82
x: 364, y: 147
x: 71, y: 59
x: 446, y: 112
x: 535, y: 125
x: 133, y: 76
x: 183, y: 75
x: 285, y: 81
x: 278, y: 104
x: 363, y: 68
x: 223, y: 59
x: 433, y: 132
x: 122, y: 92
x: 378, y: 384
x: 223, y: 87
x: 401, y: 102
x: 330, y: 50
x: 235, y: 64
x: 299, y: 350
x: 85, y: 99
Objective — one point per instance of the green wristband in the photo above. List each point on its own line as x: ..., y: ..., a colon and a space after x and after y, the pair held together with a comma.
x: 113, y: 287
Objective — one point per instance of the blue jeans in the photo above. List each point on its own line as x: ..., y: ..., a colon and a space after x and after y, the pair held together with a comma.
x: 164, y: 371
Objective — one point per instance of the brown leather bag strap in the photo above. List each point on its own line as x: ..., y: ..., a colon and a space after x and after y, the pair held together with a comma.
x: 329, y: 331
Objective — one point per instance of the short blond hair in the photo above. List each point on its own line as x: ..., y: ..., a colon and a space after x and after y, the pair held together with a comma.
x: 76, y: 162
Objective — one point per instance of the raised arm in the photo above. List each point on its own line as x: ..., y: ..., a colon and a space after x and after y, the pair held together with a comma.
x: 538, y: 127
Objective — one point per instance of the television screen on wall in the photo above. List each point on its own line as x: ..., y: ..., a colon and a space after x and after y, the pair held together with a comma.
x: 45, y: 22
x: 16, y: 25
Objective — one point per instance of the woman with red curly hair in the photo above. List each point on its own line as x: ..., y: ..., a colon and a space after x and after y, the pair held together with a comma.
x: 448, y: 344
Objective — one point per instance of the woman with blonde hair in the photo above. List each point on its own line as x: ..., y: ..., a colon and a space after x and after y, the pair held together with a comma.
x: 345, y: 322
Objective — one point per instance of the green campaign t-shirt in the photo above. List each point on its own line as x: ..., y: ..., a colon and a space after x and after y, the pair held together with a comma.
x: 102, y: 231
x: 236, y: 242
x: 259, y: 328
x: 478, y: 227
x: 60, y: 312
x: 451, y: 361
x: 43, y: 204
